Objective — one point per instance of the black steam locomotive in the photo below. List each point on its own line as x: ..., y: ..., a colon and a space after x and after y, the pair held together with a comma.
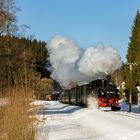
x: 105, y: 93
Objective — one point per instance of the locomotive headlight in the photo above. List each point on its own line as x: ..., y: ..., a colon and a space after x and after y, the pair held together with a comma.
x: 102, y: 93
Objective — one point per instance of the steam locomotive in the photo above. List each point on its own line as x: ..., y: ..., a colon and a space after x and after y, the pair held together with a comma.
x: 105, y: 93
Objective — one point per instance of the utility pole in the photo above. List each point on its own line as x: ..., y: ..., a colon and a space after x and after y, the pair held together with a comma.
x: 130, y: 92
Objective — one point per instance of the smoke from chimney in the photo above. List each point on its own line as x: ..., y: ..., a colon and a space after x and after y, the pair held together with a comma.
x: 72, y: 64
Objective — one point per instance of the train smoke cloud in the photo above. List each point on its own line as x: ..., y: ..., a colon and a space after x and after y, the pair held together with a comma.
x: 71, y: 64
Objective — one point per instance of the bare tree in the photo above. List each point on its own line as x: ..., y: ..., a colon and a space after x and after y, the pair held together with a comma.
x: 8, y: 18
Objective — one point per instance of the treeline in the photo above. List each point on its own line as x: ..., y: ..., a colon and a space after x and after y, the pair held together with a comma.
x: 22, y: 62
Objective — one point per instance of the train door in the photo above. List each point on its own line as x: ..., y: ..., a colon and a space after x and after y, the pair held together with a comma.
x: 73, y: 96
x: 79, y: 95
x: 77, y: 89
x: 84, y: 95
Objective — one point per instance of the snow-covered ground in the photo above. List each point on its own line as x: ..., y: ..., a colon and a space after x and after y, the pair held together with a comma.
x: 63, y: 122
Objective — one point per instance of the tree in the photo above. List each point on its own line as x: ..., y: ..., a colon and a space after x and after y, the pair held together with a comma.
x: 134, y: 44
x: 133, y: 56
x: 43, y: 88
x: 8, y: 19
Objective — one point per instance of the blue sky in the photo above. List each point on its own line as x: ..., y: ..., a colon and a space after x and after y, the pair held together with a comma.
x: 88, y: 22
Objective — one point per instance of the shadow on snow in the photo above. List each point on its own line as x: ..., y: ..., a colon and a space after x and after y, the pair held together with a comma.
x: 61, y: 110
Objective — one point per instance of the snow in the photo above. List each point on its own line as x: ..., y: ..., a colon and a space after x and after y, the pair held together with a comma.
x: 125, y: 107
x: 60, y: 121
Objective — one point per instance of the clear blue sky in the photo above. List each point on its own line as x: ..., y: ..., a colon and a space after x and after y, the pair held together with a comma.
x: 88, y: 22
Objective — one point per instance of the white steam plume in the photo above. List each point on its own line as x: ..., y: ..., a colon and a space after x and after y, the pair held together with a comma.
x: 70, y: 63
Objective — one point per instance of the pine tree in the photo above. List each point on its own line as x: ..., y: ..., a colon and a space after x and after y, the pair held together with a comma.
x: 134, y: 45
x: 133, y: 56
